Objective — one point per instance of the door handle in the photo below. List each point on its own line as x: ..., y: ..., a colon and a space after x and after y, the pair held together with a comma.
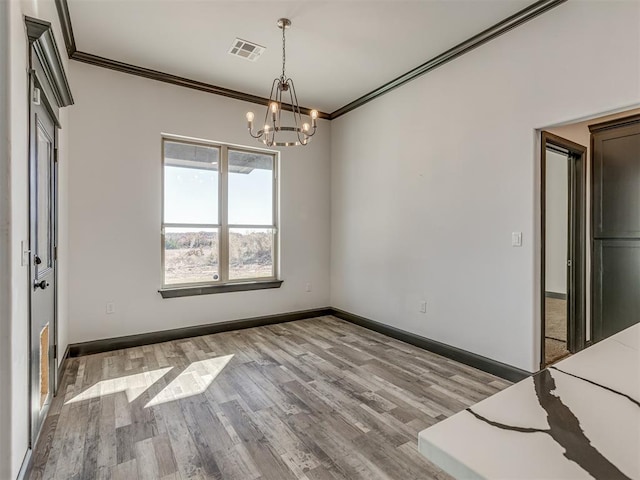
x: 43, y: 284
x: 37, y: 260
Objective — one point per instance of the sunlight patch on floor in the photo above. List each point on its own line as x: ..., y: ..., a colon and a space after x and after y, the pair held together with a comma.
x: 133, y: 385
x: 195, y: 379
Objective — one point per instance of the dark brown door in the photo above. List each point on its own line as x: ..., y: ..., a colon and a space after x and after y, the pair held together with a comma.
x: 616, y: 225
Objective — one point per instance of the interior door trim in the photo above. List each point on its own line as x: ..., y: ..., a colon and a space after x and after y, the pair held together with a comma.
x: 576, y: 279
x: 616, y: 123
x: 43, y: 42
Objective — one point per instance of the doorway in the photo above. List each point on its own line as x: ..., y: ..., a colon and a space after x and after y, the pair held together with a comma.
x: 48, y: 92
x: 563, y: 181
x: 42, y: 244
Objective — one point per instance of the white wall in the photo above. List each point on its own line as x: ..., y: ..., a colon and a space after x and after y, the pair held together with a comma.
x: 557, y: 218
x: 5, y: 248
x: 19, y: 232
x: 115, y: 201
x: 429, y: 181
x: 17, y: 436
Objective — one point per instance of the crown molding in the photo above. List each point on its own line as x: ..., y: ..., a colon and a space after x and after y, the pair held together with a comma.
x: 500, y: 28
x: 483, y: 37
x: 96, y: 60
x: 65, y: 23
x: 118, y: 66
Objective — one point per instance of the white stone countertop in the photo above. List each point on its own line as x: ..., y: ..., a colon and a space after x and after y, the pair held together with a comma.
x: 579, y: 418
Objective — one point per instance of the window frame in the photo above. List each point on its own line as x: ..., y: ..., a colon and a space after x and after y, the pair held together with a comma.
x: 224, y: 284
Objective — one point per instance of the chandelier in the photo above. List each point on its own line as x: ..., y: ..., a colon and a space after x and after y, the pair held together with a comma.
x: 271, y: 133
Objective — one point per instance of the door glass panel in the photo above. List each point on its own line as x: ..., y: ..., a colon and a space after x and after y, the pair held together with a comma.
x: 44, y: 234
x: 191, y: 255
x: 250, y: 253
x: 250, y: 188
x: 190, y: 183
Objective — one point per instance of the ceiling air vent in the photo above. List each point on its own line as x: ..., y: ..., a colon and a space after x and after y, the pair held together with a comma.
x: 247, y: 50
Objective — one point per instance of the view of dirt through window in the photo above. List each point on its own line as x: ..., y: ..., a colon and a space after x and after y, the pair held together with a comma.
x: 192, y: 256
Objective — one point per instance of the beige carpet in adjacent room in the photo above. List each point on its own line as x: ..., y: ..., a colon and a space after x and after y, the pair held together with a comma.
x: 555, y: 342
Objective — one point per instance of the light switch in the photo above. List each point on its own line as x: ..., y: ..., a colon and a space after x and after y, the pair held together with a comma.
x: 24, y: 254
x: 516, y: 239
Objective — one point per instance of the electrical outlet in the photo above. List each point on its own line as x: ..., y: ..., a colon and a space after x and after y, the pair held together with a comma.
x: 423, y: 306
x: 308, y: 287
x: 110, y: 308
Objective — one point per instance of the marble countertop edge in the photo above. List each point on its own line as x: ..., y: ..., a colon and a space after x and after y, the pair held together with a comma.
x: 581, y: 415
x: 446, y: 461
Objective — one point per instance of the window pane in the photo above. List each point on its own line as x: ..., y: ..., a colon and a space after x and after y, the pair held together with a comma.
x: 250, y: 253
x: 190, y: 183
x: 250, y: 188
x: 191, y: 255
x: 44, y: 234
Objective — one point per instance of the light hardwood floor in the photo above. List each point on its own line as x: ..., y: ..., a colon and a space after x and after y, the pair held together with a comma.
x: 313, y: 399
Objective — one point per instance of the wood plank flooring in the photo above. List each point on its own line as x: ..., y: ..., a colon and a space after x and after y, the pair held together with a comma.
x: 315, y: 399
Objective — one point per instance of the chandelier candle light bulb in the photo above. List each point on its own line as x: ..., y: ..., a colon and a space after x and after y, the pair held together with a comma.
x: 300, y: 132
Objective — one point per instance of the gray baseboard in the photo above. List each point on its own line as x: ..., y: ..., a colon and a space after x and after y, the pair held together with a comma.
x: 109, y: 344
x: 560, y: 296
x: 485, y: 364
x: 62, y: 367
x: 477, y: 361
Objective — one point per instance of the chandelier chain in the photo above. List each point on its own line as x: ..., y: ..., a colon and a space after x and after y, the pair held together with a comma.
x: 284, y: 54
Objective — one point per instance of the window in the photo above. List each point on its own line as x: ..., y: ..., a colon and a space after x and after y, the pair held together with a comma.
x: 219, y: 215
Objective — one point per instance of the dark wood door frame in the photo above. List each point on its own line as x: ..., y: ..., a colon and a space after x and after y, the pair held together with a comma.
x: 576, y: 278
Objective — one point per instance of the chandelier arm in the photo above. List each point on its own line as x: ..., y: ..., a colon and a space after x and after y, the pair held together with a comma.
x: 292, y: 93
x: 273, y: 96
x: 294, y: 100
x: 306, y: 134
x: 312, y: 132
x: 276, y: 126
x: 297, y: 117
x: 296, y: 106
x: 279, y: 113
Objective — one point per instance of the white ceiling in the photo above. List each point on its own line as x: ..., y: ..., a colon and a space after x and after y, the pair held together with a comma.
x: 337, y: 50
